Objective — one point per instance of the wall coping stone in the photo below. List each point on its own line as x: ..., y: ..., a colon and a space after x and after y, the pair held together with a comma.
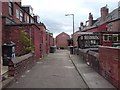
x: 22, y: 58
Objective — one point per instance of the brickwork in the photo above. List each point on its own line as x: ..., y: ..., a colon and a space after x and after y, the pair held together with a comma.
x: 109, y: 64
x: 62, y: 40
x: 16, y: 6
x: 43, y: 41
x: 13, y: 34
x: 19, y: 65
x: 115, y: 26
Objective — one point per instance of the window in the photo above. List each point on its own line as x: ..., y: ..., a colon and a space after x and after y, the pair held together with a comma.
x: 115, y: 38
x: 21, y: 16
x: 110, y: 38
x: 32, y: 20
x: 105, y: 37
x: 17, y: 13
x: 27, y: 19
x: 10, y: 8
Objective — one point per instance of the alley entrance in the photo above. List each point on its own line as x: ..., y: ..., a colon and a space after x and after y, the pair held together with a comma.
x: 54, y: 71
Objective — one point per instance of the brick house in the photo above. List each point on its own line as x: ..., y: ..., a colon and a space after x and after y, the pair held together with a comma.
x: 16, y: 18
x: 107, y: 29
x: 19, y: 24
x: 62, y: 40
x: 101, y: 26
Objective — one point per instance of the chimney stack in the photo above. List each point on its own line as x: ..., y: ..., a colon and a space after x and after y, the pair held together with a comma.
x: 81, y: 23
x: 90, y: 20
x: 104, y: 13
x: 81, y: 26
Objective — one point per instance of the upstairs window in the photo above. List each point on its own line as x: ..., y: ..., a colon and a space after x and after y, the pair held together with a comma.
x: 32, y: 20
x: 27, y: 19
x: 21, y: 16
x: 10, y: 8
x: 17, y: 13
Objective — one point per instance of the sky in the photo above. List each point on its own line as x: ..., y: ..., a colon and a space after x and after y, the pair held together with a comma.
x: 52, y: 12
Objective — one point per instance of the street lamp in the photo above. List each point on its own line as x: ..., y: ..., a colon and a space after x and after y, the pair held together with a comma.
x: 73, y: 24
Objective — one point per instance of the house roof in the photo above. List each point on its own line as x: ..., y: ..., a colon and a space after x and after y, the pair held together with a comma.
x: 114, y: 15
x: 61, y: 34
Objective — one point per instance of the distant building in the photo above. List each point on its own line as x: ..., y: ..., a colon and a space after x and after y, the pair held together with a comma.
x: 62, y: 40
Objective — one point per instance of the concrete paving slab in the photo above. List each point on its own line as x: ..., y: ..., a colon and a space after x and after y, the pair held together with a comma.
x: 91, y: 77
x: 54, y: 71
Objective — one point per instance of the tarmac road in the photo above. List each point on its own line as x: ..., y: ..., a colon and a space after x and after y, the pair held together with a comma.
x: 54, y: 71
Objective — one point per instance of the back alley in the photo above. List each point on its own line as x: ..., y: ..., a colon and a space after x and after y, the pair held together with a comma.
x: 54, y: 71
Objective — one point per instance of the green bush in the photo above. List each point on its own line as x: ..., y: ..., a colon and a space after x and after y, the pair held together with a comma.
x: 26, y: 42
x: 29, y: 49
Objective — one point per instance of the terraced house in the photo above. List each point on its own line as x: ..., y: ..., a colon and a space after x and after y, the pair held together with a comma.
x: 98, y: 42
x: 23, y: 33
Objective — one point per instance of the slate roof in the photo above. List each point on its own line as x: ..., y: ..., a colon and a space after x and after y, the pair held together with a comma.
x: 114, y: 15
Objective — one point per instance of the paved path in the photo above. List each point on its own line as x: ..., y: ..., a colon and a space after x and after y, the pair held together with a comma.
x: 91, y: 77
x: 54, y: 71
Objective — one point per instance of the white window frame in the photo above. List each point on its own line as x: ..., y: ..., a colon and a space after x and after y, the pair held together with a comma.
x: 17, y: 13
x: 21, y: 16
x: 25, y: 17
x: 28, y: 19
x: 10, y: 8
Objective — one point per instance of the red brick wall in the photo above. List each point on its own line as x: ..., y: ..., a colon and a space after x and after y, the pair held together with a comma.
x: 115, y: 26
x: 3, y: 30
x: 47, y: 43
x: 61, y: 40
x: 110, y: 64
x: 5, y: 11
x: 37, y: 42
x: 14, y: 36
x: 24, y: 63
x: 102, y: 27
x: 43, y: 45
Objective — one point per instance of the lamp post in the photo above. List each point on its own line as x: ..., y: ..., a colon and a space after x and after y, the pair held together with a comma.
x: 73, y: 25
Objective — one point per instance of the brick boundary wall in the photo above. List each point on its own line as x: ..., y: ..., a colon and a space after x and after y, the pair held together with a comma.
x: 90, y: 57
x: 109, y: 58
x: 19, y: 65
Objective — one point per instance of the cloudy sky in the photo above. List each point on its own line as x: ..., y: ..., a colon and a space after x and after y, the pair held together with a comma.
x: 52, y: 12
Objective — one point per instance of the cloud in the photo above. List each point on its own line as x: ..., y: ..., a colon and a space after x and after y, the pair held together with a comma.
x: 52, y: 12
